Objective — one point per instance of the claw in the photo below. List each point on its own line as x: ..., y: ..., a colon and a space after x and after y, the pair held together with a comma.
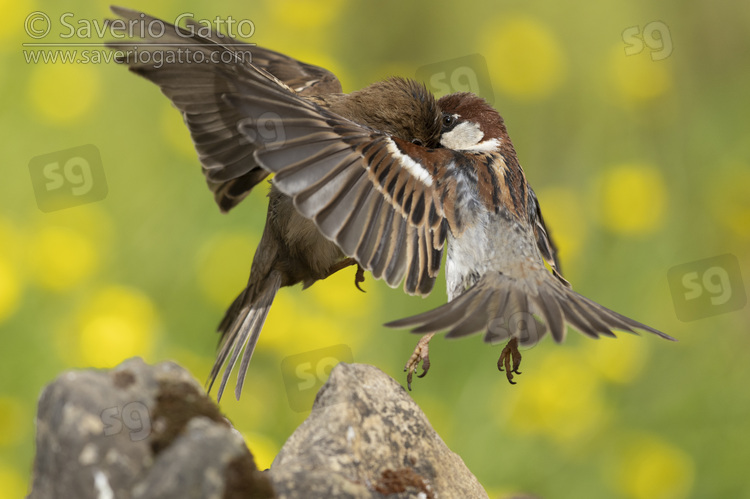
x: 421, y: 354
x: 359, y: 277
x: 510, y: 352
x: 425, y: 365
x: 346, y: 262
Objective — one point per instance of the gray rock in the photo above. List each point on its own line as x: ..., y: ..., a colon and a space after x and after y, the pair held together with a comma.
x: 367, y: 438
x: 146, y: 432
x: 138, y: 431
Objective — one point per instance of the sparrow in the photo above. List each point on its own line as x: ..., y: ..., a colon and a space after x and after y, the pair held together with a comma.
x: 498, y: 245
x: 292, y: 249
x: 377, y: 195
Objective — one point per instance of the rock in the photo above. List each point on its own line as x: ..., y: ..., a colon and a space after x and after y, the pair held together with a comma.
x: 138, y: 431
x: 365, y: 438
x: 145, y: 432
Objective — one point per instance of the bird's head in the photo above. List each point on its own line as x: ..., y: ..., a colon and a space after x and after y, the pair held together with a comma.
x: 470, y: 124
x: 399, y: 107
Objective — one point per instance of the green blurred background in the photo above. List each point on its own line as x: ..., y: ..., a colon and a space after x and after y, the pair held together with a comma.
x: 641, y: 163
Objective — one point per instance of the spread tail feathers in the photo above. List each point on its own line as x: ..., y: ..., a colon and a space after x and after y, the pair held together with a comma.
x: 240, y: 329
x: 506, y: 308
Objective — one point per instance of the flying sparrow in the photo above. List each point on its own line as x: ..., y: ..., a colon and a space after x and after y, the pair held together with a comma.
x: 373, y: 194
x: 498, y: 245
x: 292, y: 250
x: 386, y: 178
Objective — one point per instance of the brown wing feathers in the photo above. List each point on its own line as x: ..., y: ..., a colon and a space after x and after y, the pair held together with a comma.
x: 360, y: 187
x: 197, y: 89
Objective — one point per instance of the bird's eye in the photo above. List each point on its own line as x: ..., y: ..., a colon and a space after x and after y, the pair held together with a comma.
x: 449, y: 121
x: 417, y: 142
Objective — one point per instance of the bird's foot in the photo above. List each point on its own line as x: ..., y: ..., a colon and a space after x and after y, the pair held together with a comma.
x: 510, y: 352
x: 347, y: 262
x: 359, y: 277
x: 421, y: 354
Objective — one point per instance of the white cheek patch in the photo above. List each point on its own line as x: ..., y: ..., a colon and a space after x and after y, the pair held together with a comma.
x: 462, y: 137
x: 408, y: 164
x: 492, y: 145
x: 467, y: 136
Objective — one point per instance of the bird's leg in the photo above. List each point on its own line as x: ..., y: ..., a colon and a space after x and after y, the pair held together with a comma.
x: 510, y: 351
x: 346, y: 262
x: 421, y: 354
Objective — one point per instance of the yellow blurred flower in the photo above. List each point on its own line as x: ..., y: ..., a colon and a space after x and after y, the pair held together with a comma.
x: 15, y: 421
x: 650, y: 467
x: 619, y: 361
x: 559, y: 400
x: 264, y: 449
x: 730, y: 199
x: 14, y: 15
x: 223, y: 266
x: 637, y: 78
x: 293, y: 327
x: 305, y: 14
x: 12, y: 241
x: 90, y: 219
x: 632, y: 198
x: 14, y: 484
x: 115, y: 324
x: 10, y: 289
x: 60, y: 257
x: 526, y: 61
x: 338, y: 296
x: 63, y: 93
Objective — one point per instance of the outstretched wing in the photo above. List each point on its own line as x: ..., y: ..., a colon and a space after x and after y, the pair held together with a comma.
x: 544, y: 241
x: 386, y: 202
x: 185, y: 66
x: 305, y: 79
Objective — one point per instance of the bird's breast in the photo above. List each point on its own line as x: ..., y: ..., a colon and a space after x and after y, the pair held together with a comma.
x: 495, y: 242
